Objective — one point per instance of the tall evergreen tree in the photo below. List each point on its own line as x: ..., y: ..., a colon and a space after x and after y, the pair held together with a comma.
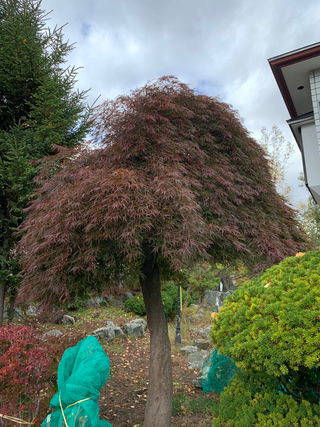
x: 38, y: 108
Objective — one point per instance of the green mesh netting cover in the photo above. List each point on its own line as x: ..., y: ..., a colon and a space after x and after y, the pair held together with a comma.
x: 82, y: 372
x: 216, y: 372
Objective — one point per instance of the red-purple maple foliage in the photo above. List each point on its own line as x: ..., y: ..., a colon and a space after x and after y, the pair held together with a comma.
x: 176, y: 173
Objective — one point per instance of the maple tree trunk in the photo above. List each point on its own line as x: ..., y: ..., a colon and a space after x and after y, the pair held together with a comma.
x: 160, y: 392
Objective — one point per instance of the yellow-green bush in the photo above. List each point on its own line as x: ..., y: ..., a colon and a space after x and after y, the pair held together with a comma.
x: 270, y: 328
x: 257, y: 401
x: 272, y: 323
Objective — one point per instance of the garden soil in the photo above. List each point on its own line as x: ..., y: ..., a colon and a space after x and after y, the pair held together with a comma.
x: 122, y: 400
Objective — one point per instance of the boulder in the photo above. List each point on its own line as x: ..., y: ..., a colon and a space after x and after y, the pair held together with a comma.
x: 104, y: 334
x: 95, y: 301
x: 134, y: 329
x: 128, y: 295
x: 197, y: 359
x: 205, y: 333
x: 17, y: 314
x: 57, y: 317
x: 68, y: 320
x: 195, y: 317
x: 202, y: 344
x: 31, y: 311
x: 118, y: 331
x: 53, y: 333
x: 205, y: 353
x: 197, y: 383
x: 188, y: 349
x: 214, y: 299
x: 110, y: 323
x: 139, y: 322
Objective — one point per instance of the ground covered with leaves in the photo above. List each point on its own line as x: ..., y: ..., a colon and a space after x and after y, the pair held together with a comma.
x: 122, y: 400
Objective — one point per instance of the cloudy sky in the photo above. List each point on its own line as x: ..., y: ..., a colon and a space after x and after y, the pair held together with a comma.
x: 218, y: 47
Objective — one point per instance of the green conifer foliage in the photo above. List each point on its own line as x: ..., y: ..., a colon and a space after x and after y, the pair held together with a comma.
x: 38, y: 108
x: 270, y: 327
x: 272, y: 323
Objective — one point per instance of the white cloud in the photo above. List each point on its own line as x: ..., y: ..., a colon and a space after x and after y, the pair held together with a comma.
x: 220, y: 48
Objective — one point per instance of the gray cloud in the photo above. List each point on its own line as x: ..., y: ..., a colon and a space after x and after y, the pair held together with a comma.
x: 220, y: 48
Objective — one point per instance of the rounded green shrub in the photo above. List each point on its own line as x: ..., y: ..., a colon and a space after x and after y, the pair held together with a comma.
x: 257, y: 401
x: 136, y: 305
x: 272, y: 323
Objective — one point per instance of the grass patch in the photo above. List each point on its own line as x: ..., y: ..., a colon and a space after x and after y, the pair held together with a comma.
x: 113, y: 347
x: 183, y: 405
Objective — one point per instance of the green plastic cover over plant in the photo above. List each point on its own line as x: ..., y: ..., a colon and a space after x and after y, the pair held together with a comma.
x: 216, y: 372
x: 83, y: 371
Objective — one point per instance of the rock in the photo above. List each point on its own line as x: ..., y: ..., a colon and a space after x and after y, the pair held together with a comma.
x: 139, y: 322
x: 208, y: 329
x: 197, y: 383
x: 194, y: 305
x: 205, y: 353
x: 53, y: 333
x: 57, y: 317
x: 205, y: 333
x: 214, y: 299
x: 17, y: 314
x: 68, y: 320
x: 95, y: 301
x: 197, y: 359
x: 188, y: 349
x: 128, y: 295
x: 134, y: 329
x: 195, y: 317
x: 32, y: 311
x: 202, y: 344
x: 110, y: 323
x: 104, y: 334
x: 118, y: 331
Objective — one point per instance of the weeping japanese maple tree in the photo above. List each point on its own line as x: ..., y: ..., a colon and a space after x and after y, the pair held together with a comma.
x: 176, y: 179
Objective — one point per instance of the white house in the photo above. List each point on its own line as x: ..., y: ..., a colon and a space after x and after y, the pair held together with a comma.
x: 298, y: 76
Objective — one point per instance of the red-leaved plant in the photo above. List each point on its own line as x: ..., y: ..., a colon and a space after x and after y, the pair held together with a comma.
x: 25, y: 370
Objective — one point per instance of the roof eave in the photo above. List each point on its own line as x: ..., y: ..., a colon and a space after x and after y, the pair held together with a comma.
x: 278, y: 62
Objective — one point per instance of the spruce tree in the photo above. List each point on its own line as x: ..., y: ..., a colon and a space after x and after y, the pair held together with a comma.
x: 39, y: 109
